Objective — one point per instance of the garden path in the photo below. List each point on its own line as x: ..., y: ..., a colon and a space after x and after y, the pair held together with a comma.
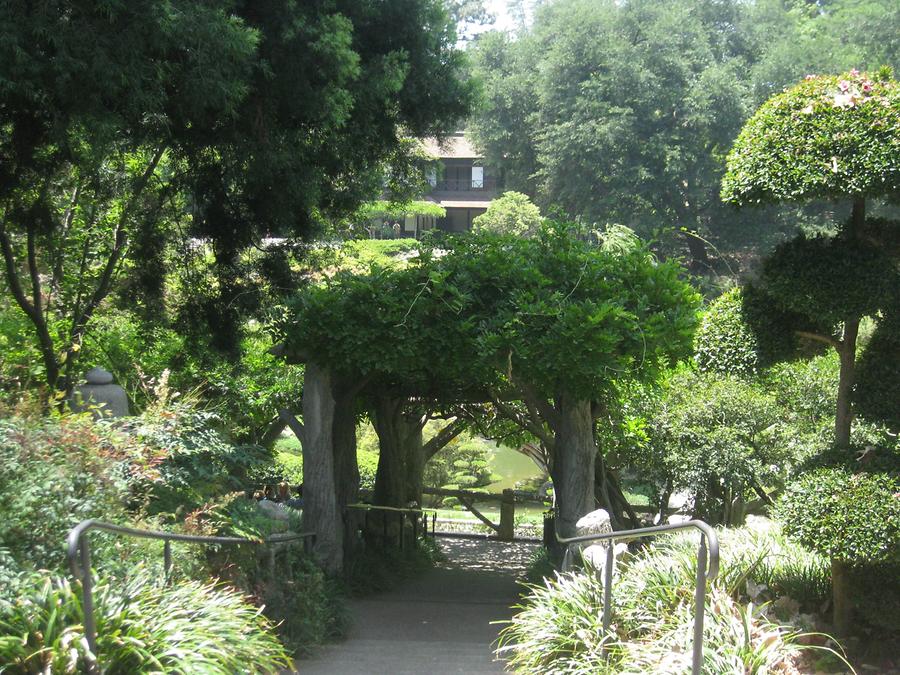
x: 439, y: 623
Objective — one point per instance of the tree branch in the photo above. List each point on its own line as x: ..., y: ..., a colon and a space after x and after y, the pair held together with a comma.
x: 272, y: 433
x: 121, y: 238
x: 536, y: 403
x: 837, y: 344
x: 470, y: 505
x: 532, y: 426
x: 59, y: 257
x: 444, y: 436
x: 48, y: 353
x: 296, y: 425
x: 33, y: 271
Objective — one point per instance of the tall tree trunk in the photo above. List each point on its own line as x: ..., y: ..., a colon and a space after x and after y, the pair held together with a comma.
x: 573, y: 470
x: 843, y: 419
x: 415, y: 461
x: 320, y: 505
x: 390, y: 478
x: 346, y: 467
x: 699, y: 254
x: 841, y: 597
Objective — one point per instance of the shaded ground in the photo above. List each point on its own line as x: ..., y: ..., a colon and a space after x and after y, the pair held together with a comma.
x: 439, y: 623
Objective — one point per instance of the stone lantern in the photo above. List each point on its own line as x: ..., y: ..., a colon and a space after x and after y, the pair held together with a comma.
x: 101, y: 392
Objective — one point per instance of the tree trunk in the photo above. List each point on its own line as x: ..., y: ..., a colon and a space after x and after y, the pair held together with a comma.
x: 320, y: 506
x: 415, y: 461
x: 699, y: 255
x: 602, y: 492
x: 346, y: 467
x: 841, y: 597
x: 843, y: 418
x: 575, y: 453
x: 390, y: 478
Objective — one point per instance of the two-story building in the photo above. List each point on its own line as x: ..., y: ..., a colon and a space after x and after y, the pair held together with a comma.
x: 461, y: 183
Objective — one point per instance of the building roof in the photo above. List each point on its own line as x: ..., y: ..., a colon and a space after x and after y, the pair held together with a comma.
x: 455, y: 146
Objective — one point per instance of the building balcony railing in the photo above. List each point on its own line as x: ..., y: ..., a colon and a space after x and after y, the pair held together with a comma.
x: 467, y: 185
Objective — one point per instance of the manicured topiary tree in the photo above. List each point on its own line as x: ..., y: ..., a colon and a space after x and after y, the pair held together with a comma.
x: 850, y: 512
x: 725, y: 343
x: 829, y: 137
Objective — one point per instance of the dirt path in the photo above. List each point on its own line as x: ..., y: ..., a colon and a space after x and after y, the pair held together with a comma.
x: 438, y: 623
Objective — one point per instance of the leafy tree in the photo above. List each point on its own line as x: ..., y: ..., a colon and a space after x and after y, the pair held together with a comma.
x: 551, y: 321
x: 628, y: 108
x: 326, y: 125
x: 834, y: 137
x: 623, y: 111
x: 719, y: 438
x: 85, y: 137
x: 565, y: 324
x: 510, y: 213
x: 119, y: 123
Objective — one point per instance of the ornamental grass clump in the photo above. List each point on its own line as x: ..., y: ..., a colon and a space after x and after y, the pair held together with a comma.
x: 559, y: 628
x: 192, y: 628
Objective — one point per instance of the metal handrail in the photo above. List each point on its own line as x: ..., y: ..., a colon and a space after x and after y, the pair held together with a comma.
x: 707, y: 570
x: 81, y: 569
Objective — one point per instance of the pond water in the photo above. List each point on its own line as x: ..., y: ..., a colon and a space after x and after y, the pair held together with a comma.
x: 510, y: 467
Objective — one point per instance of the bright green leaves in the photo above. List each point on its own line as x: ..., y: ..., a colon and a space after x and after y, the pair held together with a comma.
x: 553, y: 312
x: 844, y: 514
x: 510, y: 213
x: 828, y: 136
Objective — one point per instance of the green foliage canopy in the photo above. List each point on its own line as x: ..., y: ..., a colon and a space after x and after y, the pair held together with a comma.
x: 511, y: 213
x: 829, y: 136
x: 554, y: 310
x: 830, y: 278
x: 567, y: 317
x: 846, y: 514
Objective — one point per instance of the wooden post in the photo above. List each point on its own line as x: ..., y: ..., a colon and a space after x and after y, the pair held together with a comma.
x: 507, y: 531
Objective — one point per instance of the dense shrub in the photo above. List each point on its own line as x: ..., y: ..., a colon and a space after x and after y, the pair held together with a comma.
x: 724, y: 343
x: 55, y: 472
x: 807, y: 390
x: 877, y: 394
x: 192, y: 459
x: 303, y: 603
x: 559, y: 627
x: 744, y: 331
x: 718, y: 438
x: 510, y: 213
x: 846, y: 515
x: 299, y: 600
x: 289, y: 466
x: 187, y: 628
